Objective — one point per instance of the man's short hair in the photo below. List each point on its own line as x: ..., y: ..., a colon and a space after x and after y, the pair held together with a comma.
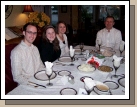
x: 29, y: 23
x: 110, y: 17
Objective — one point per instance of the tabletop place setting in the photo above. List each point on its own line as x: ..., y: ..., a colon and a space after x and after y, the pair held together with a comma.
x: 84, y: 70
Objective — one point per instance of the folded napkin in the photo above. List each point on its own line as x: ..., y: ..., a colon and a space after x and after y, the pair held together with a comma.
x: 72, y: 51
x: 82, y: 91
x: 48, y: 67
x: 95, y: 61
x: 64, y: 79
x: 117, y: 60
x: 89, y: 83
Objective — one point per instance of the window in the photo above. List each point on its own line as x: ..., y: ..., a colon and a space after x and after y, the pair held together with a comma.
x: 86, y: 14
x: 54, y: 15
x: 111, y: 10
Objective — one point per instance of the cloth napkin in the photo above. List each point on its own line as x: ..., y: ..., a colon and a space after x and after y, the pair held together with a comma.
x: 89, y: 83
x: 72, y: 51
x: 48, y: 67
x: 95, y: 61
x: 64, y: 79
x: 117, y: 60
x: 82, y: 91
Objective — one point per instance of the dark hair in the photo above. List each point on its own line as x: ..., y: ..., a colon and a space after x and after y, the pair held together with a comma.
x: 110, y: 17
x: 46, y: 40
x: 29, y: 23
x: 57, y: 26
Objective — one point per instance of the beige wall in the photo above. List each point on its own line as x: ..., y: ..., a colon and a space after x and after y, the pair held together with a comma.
x: 75, y: 17
x: 17, y: 18
x: 64, y: 16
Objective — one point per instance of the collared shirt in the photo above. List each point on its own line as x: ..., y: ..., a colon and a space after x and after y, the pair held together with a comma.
x: 110, y: 38
x: 25, y: 62
x: 63, y: 46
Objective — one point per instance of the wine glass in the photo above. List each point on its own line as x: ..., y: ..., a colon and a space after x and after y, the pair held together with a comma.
x: 121, y: 49
x: 89, y: 90
x: 116, y: 65
x: 99, y: 44
x: 49, y: 73
x: 72, y: 57
x: 81, y: 45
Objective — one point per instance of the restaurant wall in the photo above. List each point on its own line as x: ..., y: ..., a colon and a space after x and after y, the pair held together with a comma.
x: 64, y: 16
x: 75, y: 17
x: 17, y: 18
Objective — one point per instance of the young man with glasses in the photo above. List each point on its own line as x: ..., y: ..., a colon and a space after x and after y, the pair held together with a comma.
x: 25, y: 58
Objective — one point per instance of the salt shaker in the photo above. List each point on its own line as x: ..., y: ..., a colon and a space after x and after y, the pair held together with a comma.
x: 71, y: 79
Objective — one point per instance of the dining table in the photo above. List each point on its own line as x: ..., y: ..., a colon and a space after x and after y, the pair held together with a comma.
x: 68, y: 79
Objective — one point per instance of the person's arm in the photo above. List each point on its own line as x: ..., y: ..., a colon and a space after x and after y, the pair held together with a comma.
x: 66, y: 42
x: 16, y: 67
x: 41, y: 64
x: 98, y: 37
x: 118, y: 39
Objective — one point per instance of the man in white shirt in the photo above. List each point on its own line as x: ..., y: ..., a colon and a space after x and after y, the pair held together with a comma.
x: 109, y: 36
x: 25, y: 57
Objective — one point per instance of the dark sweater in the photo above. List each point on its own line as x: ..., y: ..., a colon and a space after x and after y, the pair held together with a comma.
x: 47, y: 53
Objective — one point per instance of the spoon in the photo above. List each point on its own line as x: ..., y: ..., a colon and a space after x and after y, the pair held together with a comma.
x: 33, y: 85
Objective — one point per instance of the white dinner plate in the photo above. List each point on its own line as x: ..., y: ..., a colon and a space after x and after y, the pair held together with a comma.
x: 111, y: 84
x: 64, y: 72
x: 65, y: 59
x: 78, y: 51
x: 121, y: 81
x: 68, y: 91
x: 41, y: 75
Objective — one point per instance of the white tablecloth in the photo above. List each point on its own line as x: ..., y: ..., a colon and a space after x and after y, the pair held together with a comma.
x: 58, y: 85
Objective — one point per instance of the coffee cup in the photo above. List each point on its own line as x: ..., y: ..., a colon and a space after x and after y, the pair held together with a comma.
x: 102, y: 89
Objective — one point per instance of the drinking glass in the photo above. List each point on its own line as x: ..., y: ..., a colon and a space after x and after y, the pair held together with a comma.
x: 89, y: 90
x: 72, y: 58
x: 81, y: 45
x: 99, y: 44
x: 116, y: 65
x: 49, y: 73
x: 121, y: 49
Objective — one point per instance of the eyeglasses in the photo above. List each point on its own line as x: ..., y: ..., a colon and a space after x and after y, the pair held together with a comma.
x: 29, y: 32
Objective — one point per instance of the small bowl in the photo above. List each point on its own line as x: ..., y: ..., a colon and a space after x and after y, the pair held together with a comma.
x: 102, y: 89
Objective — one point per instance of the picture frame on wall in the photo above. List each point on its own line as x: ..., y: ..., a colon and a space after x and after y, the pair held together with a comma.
x: 64, y: 9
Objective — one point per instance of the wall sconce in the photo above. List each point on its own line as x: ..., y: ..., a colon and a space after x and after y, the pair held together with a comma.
x: 27, y: 8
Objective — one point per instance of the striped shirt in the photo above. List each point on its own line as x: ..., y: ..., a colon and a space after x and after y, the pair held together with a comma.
x: 25, y: 61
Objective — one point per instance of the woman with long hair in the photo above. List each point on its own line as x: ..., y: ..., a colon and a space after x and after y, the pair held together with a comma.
x: 61, y: 29
x: 49, y: 45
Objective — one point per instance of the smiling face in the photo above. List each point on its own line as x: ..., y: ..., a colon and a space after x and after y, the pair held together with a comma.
x: 61, y: 28
x: 109, y: 22
x: 50, y: 33
x: 30, y: 34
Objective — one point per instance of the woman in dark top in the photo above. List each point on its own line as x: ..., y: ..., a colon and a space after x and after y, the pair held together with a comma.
x: 49, y: 45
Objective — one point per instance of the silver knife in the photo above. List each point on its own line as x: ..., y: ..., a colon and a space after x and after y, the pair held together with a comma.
x: 37, y: 84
